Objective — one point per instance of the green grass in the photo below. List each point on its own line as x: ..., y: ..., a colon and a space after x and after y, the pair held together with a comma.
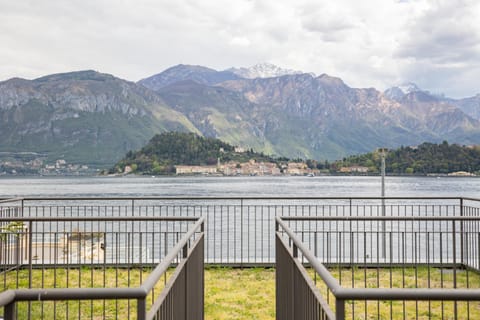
x: 229, y: 293
x: 80, y: 278
x: 248, y: 293
x: 411, y: 278
x: 239, y: 293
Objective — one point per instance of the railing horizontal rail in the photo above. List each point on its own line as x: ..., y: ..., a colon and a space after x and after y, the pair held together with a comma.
x: 379, y: 218
x: 11, y: 200
x: 96, y: 219
x: 408, y: 294
x: 71, y: 294
x: 248, y: 198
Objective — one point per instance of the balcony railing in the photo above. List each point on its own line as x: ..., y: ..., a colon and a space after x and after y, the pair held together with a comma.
x: 102, y: 267
x: 412, y: 267
x: 241, y: 231
x: 363, y: 255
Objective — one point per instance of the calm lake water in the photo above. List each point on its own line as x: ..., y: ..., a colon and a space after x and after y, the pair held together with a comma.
x: 246, y: 235
x: 324, y: 186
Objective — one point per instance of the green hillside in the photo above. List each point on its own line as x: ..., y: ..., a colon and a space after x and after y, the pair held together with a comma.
x: 82, y: 117
x: 427, y: 158
x: 166, y: 150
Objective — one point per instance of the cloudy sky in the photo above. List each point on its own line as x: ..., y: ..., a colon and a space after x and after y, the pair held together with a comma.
x: 369, y: 43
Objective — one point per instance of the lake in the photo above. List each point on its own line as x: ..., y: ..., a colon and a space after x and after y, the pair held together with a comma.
x: 323, y: 186
x: 243, y: 232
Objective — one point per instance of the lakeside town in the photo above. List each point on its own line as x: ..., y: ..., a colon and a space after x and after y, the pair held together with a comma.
x: 254, y: 168
x: 30, y: 163
x: 36, y: 164
x: 39, y: 166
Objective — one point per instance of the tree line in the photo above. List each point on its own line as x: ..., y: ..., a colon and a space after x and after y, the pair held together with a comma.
x: 168, y: 149
x: 426, y: 158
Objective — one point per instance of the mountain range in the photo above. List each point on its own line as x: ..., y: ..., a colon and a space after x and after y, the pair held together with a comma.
x: 95, y: 118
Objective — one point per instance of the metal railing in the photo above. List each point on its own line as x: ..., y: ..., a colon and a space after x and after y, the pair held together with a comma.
x: 241, y: 230
x: 354, y: 235
x: 102, y: 267
x: 341, y: 267
x: 11, y: 207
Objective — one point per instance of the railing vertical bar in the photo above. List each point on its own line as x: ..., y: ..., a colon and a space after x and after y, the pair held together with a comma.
x: 241, y: 232
x: 454, y: 245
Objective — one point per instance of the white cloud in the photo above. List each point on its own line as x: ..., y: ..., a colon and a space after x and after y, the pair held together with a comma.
x: 441, y: 48
x: 366, y: 43
x: 443, y: 34
x: 240, y: 41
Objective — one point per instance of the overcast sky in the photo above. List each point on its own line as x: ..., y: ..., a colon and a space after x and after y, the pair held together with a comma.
x: 369, y: 43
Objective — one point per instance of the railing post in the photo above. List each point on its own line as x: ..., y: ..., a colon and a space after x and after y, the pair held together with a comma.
x: 461, y: 207
x: 30, y: 251
x: 186, y: 285
x: 461, y: 234
x: 454, y: 244
x: 455, y: 310
x: 9, y: 311
x: 339, y: 309
x: 141, y: 309
x: 30, y: 265
x: 241, y: 233
x: 383, y: 231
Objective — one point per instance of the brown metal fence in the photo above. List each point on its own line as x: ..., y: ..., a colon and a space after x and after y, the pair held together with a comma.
x: 378, y: 267
x: 102, y: 267
x: 407, y: 237
x: 10, y: 208
x: 241, y: 230
x: 296, y: 294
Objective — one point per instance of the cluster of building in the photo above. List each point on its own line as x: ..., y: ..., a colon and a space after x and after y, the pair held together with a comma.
x: 462, y: 174
x: 250, y: 168
x: 62, y: 167
x: 354, y: 169
x: 38, y: 166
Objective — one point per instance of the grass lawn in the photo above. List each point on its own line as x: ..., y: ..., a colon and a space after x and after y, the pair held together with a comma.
x: 410, y: 277
x: 247, y: 293
x: 229, y: 293
x: 239, y: 293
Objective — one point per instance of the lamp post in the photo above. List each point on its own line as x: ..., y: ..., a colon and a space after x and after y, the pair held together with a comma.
x: 383, y: 153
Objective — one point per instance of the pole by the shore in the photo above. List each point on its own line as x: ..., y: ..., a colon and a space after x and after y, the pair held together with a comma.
x: 383, y: 153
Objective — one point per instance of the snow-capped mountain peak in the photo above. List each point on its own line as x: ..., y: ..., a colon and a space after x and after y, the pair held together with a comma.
x: 397, y: 92
x: 262, y: 70
x: 409, y: 87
